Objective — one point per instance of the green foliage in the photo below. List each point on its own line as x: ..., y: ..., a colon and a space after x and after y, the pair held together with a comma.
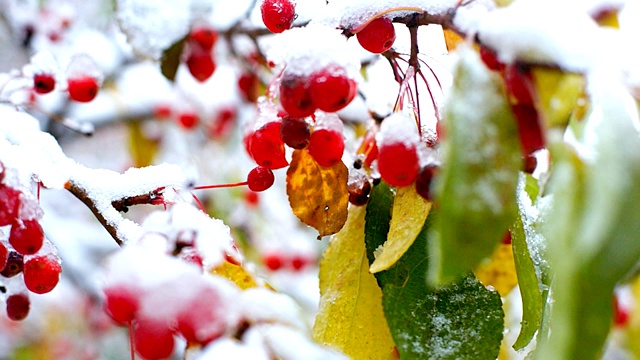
x: 463, y: 320
x: 170, y: 59
x: 477, y: 182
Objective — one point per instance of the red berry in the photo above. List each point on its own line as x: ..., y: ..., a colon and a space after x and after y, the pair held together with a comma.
x: 530, y: 164
x: 266, y: 146
x: 201, y: 65
x: 248, y: 84
x: 260, y: 178
x: 202, y: 319
x: 273, y: 261
x: 152, y: 339
x: 331, y: 89
x: 18, y: 306
x: 369, y: 148
x: 295, y: 96
x: 43, y: 83
x: 14, y: 265
x: 204, y: 37
x: 41, y: 274
x: 490, y: 59
x: 295, y: 132
x: 26, y: 236
x: 188, y: 120
x: 162, y: 111
x: 4, y: 256
x: 424, y: 181
x: 326, y: 147
x: 82, y: 88
x: 378, y: 36
x: 359, y: 192
x: 9, y: 204
x: 278, y: 15
x: 529, y: 129
x: 299, y: 262
x: 506, y: 239
x: 121, y: 303
x: 252, y: 198
x: 621, y: 313
x: 398, y: 163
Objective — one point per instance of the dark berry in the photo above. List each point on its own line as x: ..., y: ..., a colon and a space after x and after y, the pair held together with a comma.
x: 359, y: 192
x: 424, y: 181
x: 14, y: 265
x: 378, y: 36
x: 43, y: 83
x: 18, y: 306
x: 295, y: 132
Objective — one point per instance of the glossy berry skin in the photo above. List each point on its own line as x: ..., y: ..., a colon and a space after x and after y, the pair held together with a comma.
x: 266, y: 147
x: 295, y: 96
x: 326, y: 147
x: 331, y: 89
x: 398, y: 164
x: 82, y: 88
x: 295, y: 132
x: 201, y: 65
x: 26, y: 236
x: 43, y: 83
x: 121, y: 303
x: 378, y: 36
x: 278, y: 15
x: 18, y: 306
x: 41, y: 274
x: 9, y: 204
x: 152, y: 339
x: 14, y: 265
x: 204, y: 37
x: 260, y: 179
x: 424, y: 181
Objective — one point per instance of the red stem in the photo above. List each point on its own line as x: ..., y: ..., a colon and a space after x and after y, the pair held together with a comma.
x: 204, y: 187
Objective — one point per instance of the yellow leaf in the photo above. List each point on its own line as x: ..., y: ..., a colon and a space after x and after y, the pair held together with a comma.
x: 499, y: 271
x: 237, y: 274
x: 452, y: 39
x: 410, y: 210
x: 142, y: 148
x: 318, y: 195
x: 350, y: 316
x: 558, y: 94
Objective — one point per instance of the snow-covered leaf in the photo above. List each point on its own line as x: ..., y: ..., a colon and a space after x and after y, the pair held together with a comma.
x: 350, y: 316
x: 318, y: 195
x: 410, y: 211
x: 463, y: 320
x: 476, y: 186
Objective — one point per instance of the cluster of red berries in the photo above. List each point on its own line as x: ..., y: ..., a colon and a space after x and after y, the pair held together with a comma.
x: 24, y: 253
x: 199, y: 52
x: 217, y: 127
x: 521, y: 95
x: 82, y: 88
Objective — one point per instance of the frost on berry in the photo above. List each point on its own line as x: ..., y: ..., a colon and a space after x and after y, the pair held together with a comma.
x: 9, y: 204
x: 326, y: 144
x: 26, y: 236
x: 332, y: 89
x: 18, y: 306
x: 295, y: 95
x: 278, y: 15
x: 378, y: 36
x: 397, y: 150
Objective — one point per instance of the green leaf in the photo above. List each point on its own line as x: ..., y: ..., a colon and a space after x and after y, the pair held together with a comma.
x: 170, y: 59
x: 595, y: 219
x: 463, y: 320
x: 476, y: 186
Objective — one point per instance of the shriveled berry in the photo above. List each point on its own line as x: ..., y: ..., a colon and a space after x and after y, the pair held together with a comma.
x: 203, y: 36
x: 326, y: 147
x: 424, y: 181
x: 331, y: 89
x: 152, y: 339
x: 9, y: 204
x: 295, y: 96
x: 41, y: 274
x: 26, y: 236
x: 278, y: 15
x: 378, y: 36
x: 201, y: 65
x: 398, y: 163
x: 14, y: 265
x: 295, y: 132
x: 266, y: 146
x: 18, y: 306
x: 43, y: 83
x: 359, y: 192
x: 121, y: 302
x: 82, y: 88
x: 260, y: 178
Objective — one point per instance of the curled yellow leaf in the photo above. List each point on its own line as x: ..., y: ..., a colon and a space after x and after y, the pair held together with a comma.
x: 409, y: 213
x: 350, y: 316
x: 237, y: 274
x: 318, y: 195
x: 499, y: 271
